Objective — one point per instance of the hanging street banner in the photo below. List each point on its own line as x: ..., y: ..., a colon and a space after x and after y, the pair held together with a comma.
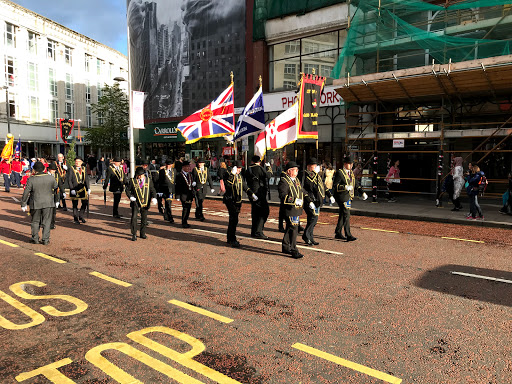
x: 66, y: 127
x: 310, y: 92
x: 138, y: 110
x: 252, y: 119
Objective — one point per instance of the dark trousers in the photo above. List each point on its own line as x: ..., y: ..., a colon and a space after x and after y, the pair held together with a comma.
x: 474, y: 207
x: 168, y: 210
x: 456, y: 202
x: 290, y: 236
x: 76, y: 213
x: 343, y: 220
x: 7, y: 182
x: 143, y: 219
x: 282, y: 216
x: 160, y: 205
x: 117, y: 199
x: 234, y: 212
x: 199, y: 208
x: 16, y: 179
x: 185, y: 213
x: 41, y: 217
x: 310, y: 226
x: 53, y: 216
x: 259, y: 214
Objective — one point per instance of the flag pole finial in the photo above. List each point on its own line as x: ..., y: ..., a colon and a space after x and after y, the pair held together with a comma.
x: 314, y: 71
x: 232, y: 76
x: 261, y: 81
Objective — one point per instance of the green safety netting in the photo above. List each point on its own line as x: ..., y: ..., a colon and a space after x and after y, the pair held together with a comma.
x: 272, y: 9
x: 388, y: 35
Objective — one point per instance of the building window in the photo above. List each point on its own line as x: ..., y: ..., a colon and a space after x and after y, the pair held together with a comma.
x: 292, y: 48
x: 10, y: 35
x: 88, y: 116
x: 52, y: 50
x: 69, y: 86
x: 52, y: 82
x: 289, y: 84
x: 88, y: 59
x: 13, y: 108
x: 68, y: 55
x: 88, y: 92
x: 10, y: 71
x: 70, y: 110
x: 100, y: 91
x: 99, y: 64
x: 100, y: 118
x: 110, y: 70
x: 54, y: 110
x: 34, y: 108
x: 290, y: 71
x: 33, y: 84
x: 32, y: 42
x: 325, y: 70
x: 310, y: 68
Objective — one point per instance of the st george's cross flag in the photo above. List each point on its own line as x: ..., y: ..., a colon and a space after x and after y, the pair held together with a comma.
x: 252, y: 119
x: 214, y: 120
x: 278, y: 133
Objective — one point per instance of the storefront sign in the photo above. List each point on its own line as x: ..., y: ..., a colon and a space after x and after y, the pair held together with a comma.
x: 165, y: 131
x: 245, y: 144
x: 398, y: 143
x: 280, y: 101
x: 228, y: 151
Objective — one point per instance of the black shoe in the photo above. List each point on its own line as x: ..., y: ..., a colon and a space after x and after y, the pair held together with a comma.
x: 455, y: 209
x: 76, y: 222
x: 282, y: 230
x: 52, y: 227
x: 315, y: 242
x: 171, y: 220
x: 34, y: 241
x: 117, y: 216
x: 186, y: 225
x: 45, y: 242
x: 234, y: 244
x: 286, y: 252
x: 64, y: 209
x: 307, y: 241
x: 143, y: 236
x: 161, y: 210
x: 134, y: 237
x: 297, y: 255
x: 351, y: 238
x: 340, y: 237
x: 260, y: 236
x: 83, y: 220
x: 202, y: 219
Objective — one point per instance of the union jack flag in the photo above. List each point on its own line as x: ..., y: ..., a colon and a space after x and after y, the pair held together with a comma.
x: 216, y: 119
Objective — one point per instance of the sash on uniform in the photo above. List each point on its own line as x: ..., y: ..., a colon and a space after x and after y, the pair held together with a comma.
x: 348, y: 204
x: 295, y: 220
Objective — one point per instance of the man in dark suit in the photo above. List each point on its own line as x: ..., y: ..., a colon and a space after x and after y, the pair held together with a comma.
x: 235, y: 185
x: 52, y: 170
x: 79, y: 189
x: 293, y: 197
x: 257, y: 179
x: 39, y: 193
x: 185, y: 191
x: 62, y: 169
x: 117, y: 178
x: 142, y: 193
x: 344, y: 185
x: 201, y: 177
x: 315, y: 188
x: 167, y: 188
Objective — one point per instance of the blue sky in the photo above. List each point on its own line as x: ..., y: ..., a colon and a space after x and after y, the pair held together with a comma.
x: 101, y: 20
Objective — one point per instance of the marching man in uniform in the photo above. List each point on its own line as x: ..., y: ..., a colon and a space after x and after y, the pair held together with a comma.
x: 141, y: 193
x: 201, y: 177
x: 343, y: 186
x: 292, y: 197
x: 315, y: 188
x: 185, y: 192
x: 52, y: 170
x: 62, y: 169
x: 79, y: 189
x: 117, y: 178
x: 257, y: 180
x: 235, y: 186
x: 167, y: 187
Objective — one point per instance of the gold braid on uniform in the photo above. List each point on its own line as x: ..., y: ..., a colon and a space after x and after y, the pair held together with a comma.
x: 294, y: 189
x: 142, y: 195
x: 119, y: 174
x: 80, y: 179
x: 203, y: 175
x: 348, y: 181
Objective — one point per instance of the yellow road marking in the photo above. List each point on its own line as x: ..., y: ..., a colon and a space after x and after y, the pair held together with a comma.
x: 318, y: 222
x: 111, y: 279
x: 9, y: 244
x: 334, y: 215
x: 201, y: 311
x: 470, y: 241
x: 380, y: 230
x: 50, y: 258
x: 356, y: 367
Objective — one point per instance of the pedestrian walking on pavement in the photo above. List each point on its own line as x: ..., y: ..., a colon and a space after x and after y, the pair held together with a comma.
x: 117, y: 178
x: 507, y: 197
x: 458, y: 183
x: 257, y: 179
x: 472, y: 190
x: 329, y: 176
x: 100, y: 170
x: 393, y: 180
x: 344, y: 191
x: 142, y: 194
x: 39, y: 196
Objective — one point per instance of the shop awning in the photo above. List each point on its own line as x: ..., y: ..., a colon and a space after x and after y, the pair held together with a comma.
x: 487, y: 77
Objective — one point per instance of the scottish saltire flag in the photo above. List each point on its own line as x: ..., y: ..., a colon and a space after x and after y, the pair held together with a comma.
x: 214, y: 120
x: 252, y: 119
x: 17, y: 151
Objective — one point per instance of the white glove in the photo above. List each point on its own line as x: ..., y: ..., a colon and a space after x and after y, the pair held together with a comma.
x: 234, y: 170
x: 24, y: 208
x: 254, y: 197
x: 267, y: 164
x: 133, y: 199
x: 73, y: 192
x: 312, y: 206
x: 88, y: 191
x: 365, y: 196
x: 178, y: 200
x: 65, y: 167
x: 317, y: 169
x: 154, y: 202
x: 194, y: 184
x: 298, y: 202
x: 64, y: 195
x: 160, y: 195
x: 349, y: 188
x: 212, y: 190
x: 332, y: 200
x: 56, y: 205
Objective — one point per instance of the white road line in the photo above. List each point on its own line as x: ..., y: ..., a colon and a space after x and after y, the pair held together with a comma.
x: 273, y: 242
x: 15, y: 199
x: 482, y: 277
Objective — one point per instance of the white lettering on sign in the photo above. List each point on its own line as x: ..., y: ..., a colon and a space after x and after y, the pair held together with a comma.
x: 398, y: 143
x: 165, y: 131
x: 280, y: 101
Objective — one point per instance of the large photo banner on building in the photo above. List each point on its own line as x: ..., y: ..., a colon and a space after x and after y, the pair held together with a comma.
x: 182, y: 51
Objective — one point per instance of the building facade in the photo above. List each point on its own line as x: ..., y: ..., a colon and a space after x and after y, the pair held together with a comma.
x: 50, y: 72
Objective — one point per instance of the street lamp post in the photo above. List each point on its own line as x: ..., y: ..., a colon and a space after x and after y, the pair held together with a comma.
x: 7, y: 109
x: 130, y: 128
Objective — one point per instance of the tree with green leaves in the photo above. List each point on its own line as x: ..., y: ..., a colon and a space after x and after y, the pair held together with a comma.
x: 71, y: 154
x: 113, y: 108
